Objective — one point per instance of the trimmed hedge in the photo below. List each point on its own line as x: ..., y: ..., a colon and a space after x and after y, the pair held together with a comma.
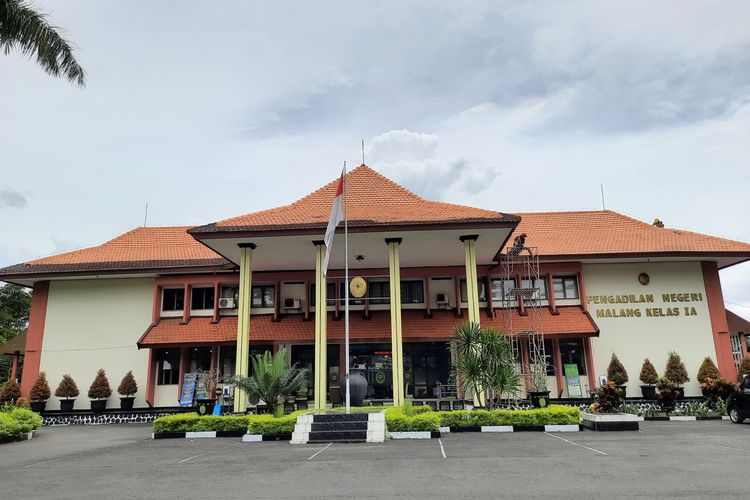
x: 422, y: 418
x: 552, y: 415
x: 18, y: 420
x: 192, y: 422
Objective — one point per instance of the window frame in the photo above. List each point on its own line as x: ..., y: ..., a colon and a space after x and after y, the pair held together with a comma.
x: 171, y: 289
x: 481, y: 288
x: 212, y: 291
x: 563, y: 279
x: 263, y: 287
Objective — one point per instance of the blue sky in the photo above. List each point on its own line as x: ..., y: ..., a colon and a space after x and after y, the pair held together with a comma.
x: 206, y: 112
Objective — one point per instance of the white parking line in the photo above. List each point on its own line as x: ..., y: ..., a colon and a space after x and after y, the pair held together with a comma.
x: 442, y: 450
x: 208, y: 452
x: 730, y: 448
x: 575, y: 444
x: 63, y: 458
x: 320, y: 451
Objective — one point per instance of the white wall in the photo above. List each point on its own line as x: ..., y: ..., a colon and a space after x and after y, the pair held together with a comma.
x: 94, y: 324
x: 635, y: 338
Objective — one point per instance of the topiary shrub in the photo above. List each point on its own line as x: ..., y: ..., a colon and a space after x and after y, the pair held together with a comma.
x: 100, y: 388
x: 708, y: 370
x: 608, y: 398
x: 744, y: 368
x: 127, y: 386
x: 40, y: 391
x: 667, y: 394
x: 22, y: 402
x: 648, y: 373
x: 67, y: 388
x: 716, y: 390
x: 616, y: 371
x: 675, y: 370
x: 10, y: 392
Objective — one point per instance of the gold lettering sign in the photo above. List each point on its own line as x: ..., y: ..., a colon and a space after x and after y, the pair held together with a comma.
x: 669, y: 309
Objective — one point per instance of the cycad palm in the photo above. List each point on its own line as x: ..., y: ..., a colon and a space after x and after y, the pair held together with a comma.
x: 24, y: 29
x: 272, y: 380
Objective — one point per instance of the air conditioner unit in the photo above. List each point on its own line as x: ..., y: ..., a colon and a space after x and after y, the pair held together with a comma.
x: 442, y: 300
x: 292, y: 303
x: 226, y: 303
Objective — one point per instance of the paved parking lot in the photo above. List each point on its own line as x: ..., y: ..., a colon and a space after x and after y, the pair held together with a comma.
x: 665, y: 459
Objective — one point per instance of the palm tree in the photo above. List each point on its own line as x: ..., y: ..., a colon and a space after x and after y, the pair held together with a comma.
x: 484, y: 357
x: 23, y: 28
x: 272, y: 379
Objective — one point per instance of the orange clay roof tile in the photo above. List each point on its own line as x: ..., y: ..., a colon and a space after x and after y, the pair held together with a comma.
x: 171, y: 331
x: 604, y: 232
x: 140, y: 248
x: 373, y: 200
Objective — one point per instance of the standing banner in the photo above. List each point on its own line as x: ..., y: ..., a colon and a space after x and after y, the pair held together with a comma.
x: 188, y: 389
x: 573, y: 381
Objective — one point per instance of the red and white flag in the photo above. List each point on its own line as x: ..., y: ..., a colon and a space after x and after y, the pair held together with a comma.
x: 337, y: 215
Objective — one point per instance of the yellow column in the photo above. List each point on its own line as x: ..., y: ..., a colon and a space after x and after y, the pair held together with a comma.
x: 397, y: 347
x: 472, y: 282
x: 472, y: 286
x: 320, y: 377
x: 243, y: 321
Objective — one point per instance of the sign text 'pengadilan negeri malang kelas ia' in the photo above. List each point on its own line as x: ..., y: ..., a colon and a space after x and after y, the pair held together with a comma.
x: 668, y: 309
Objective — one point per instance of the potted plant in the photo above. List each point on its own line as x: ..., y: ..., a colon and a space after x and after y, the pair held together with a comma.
x: 40, y: 393
x: 67, y: 389
x: 649, y: 378
x: 676, y: 372
x: 707, y: 370
x: 608, y: 398
x: 668, y: 394
x: 127, y: 390
x: 209, y: 381
x: 538, y: 393
x: 99, y: 391
x: 10, y: 392
x: 617, y: 374
x: 272, y: 380
x: 716, y: 389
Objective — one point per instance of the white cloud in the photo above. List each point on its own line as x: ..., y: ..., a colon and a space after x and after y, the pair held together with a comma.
x: 9, y: 197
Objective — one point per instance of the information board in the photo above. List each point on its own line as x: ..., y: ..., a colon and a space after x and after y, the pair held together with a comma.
x: 188, y: 389
x: 573, y: 381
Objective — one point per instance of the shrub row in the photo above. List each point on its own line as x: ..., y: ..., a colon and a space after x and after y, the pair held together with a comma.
x: 398, y: 419
x: 552, y: 415
x: 14, y: 421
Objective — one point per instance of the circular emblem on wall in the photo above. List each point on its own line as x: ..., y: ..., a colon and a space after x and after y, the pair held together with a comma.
x: 358, y: 287
x: 380, y: 378
x: 407, y: 376
x: 542, y: 402
x: 644, y: 279
x: 334, y: 377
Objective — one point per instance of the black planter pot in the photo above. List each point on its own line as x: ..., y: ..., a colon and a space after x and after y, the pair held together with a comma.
x: 649, y: 392
x: 205, y: 406
x: 98, y: 405
x: 357, y: 388
x: 539, y: 399
x: 126, y: 403
x: 67, y: 404
x: 679, y: 392
x: 38, y: 406
x: 623, y: 390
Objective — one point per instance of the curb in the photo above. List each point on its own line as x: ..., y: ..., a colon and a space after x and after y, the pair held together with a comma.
x: 24, y: 436
x: 197, y: 435
x: 683, y: 418
x: 515, y: 428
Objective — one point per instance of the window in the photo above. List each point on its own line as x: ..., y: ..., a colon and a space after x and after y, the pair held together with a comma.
x: 500, y: 288
x: 412, y: 292
x: 173, y: 299
x: 571, y: 352
x: 263, y: 296
x: 480, y: 288
x: 231, y: 292
x: 330, y: 294
x: 565, y: 287
x: 203, y: 298
x: 380, y: 292
x: 169, y: 366
x: 540, y: 284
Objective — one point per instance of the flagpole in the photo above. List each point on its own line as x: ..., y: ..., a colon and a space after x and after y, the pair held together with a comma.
x: 346, y: 291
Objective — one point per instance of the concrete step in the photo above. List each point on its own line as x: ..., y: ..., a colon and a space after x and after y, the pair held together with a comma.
x: 338, y: 426
x: 343, y: 417
x: 337, y: 435
x: 338, y: 441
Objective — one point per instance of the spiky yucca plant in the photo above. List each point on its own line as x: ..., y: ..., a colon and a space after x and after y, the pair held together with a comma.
x: 273, y: 380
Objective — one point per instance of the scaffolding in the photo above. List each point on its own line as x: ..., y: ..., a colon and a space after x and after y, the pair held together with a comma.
x: 522, y: 317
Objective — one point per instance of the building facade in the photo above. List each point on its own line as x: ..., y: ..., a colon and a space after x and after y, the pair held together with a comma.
x: 166, y: 301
